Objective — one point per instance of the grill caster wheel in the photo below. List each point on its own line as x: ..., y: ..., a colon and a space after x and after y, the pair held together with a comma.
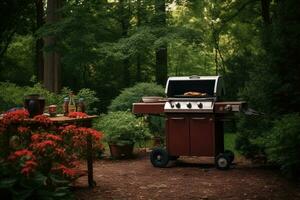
x: 230, y: 155
x: 222, y: 161
x: 159, y: 157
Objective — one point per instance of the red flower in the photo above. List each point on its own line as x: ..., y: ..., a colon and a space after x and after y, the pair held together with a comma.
x: 29, y: 167
x: 53, y: 137
x: 77, y: 115
x: 41, y: 146
x: 20, y: 153
x: 69, y: 172
x: 26, y: 171
x: 67, y: 129
x: 14, y: 117
x: 23, y: 130
x: 60, y: 152
x: 30, y: 164
x: 42, y: 119
x: 35, y: 137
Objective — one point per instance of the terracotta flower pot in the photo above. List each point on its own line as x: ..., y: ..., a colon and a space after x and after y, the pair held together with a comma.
x: 121, y: 151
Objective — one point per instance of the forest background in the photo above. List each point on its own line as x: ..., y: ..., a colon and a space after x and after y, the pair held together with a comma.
x: 109, y: 45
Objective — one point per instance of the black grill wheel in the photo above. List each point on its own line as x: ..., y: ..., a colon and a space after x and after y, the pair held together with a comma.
x: 159, y: 157
x: 222, y: 161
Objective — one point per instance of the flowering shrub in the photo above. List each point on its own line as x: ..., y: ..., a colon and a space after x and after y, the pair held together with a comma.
x: 42, y: 120
x: 77, y: 115
x: 76, y: 137
x: 14, y: 117
x: 33, y: 158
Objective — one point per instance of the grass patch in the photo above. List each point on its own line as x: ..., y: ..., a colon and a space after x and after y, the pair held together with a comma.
x: 229, y: 142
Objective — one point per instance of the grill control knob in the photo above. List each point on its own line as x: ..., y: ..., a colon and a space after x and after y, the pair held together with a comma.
x: 200, y: 105
x: 172, y: 105
x: 177, y: 105
x: 189, y: 105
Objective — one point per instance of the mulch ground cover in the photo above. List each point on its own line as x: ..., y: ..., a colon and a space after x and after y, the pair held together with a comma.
x: 187, y: 178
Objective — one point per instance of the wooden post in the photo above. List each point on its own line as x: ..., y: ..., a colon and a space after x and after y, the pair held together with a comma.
x: 89, y: 159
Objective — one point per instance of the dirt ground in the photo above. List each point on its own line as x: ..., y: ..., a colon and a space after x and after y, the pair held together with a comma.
x: 187, y: 178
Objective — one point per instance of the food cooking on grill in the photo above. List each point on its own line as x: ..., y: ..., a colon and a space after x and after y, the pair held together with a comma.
x: 194, y: 94
x: 151, y: 99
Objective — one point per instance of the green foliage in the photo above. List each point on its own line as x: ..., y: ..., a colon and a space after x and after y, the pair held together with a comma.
x: 13, y: 96
x: 229, y: 142
x: 89, y: 98
x: 249, y: 129
x: 283, y: 144
x: 156, y: 125
x: 17, y: 65
x: 10, y: 96
x: 122, y: 127
x: 134, y: 94
x: 23, y: 188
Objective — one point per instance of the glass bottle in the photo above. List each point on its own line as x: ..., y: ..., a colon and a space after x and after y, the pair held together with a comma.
x: 81, y: 106
x: 72, y: 105
x: 66, y: 106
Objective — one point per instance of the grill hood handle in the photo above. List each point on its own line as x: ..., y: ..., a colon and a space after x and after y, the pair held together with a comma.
x: 194, y: 77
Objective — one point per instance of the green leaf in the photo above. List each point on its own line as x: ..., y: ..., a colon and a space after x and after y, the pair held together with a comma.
x: 22, y: 194
x: 7, y: 182
x: 58, y: 180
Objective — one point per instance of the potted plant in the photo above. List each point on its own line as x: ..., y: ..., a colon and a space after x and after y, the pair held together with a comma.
x: 121, y: 131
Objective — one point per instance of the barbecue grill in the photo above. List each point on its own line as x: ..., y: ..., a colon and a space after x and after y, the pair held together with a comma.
x: 195, y: 114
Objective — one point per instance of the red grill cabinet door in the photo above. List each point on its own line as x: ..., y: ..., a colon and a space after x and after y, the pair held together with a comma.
x: 178, y: 135
x: 202, y: 135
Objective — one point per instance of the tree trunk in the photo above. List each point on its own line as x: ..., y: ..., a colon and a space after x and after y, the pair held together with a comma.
x: 161, y: 52
x: 138, y: 56
x: 52, y: 67
x: 39, y: 4
x: 124, y: 19
x: 265, y: 11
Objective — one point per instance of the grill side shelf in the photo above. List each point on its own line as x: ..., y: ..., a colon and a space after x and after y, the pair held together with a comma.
x: 148, y: 108
x: 230, y: 106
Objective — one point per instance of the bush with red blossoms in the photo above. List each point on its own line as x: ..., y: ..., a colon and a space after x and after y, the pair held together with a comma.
x: 77, y: 115
x: 35, y: 156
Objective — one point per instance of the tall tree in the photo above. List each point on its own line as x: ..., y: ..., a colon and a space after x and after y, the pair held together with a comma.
x: 39, y: 4
x: 124, y: 11
x: 15, y: 18
x: 52, y: 65
x: 161, y: 52
x: 138, y: 56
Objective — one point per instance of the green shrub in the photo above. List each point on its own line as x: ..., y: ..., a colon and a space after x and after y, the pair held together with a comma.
x: 134, y: 94
x: 249, y: 131
x: 13, y: 96
x: 156, y: 125
x: 122, y: 128
x: 89, y: 98
x: 283, y: 144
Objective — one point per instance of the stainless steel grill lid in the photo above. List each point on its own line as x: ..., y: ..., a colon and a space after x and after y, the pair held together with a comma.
x: 208, y: 87
x: 212, y: 86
